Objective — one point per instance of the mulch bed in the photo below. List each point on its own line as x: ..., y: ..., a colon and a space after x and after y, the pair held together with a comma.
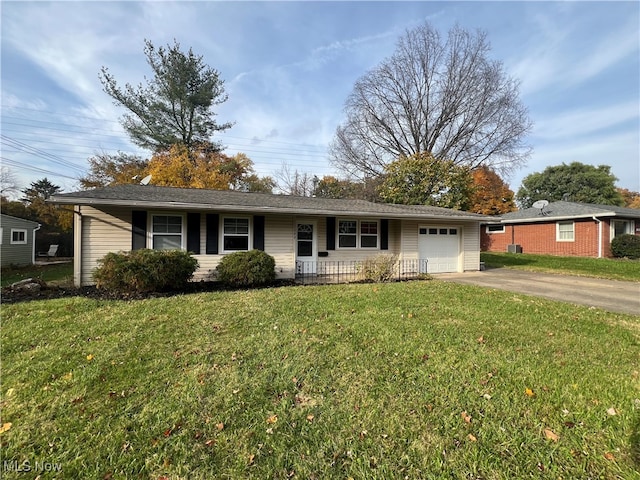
x: 47, y: 292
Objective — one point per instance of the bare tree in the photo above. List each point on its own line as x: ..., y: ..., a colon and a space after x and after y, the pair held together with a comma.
x: 434, y: 95
x: 295, y: 183
x: 8, y: 183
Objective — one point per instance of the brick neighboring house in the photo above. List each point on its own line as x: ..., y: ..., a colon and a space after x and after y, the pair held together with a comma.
x: 561, y: 228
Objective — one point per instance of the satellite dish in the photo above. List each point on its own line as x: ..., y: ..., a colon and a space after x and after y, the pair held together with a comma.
x: 145, y: 180
x: 540, y: 204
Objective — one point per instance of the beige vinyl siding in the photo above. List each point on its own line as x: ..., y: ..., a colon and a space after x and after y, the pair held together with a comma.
x: 471, y: 246
x: 279, y: 242
x: 409, y: 240
x: 109, y: 230
x: 103, y: 231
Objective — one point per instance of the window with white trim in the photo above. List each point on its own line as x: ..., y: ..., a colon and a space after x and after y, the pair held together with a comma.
x: 235, y: 234
x: 565, y: 232
x: 167, y: 232
x: 347, y: 233
x: 18, y: 236
x: 620, y: 227
x: 358, y: 234
x: 495, y: 228
x: 368, y: 234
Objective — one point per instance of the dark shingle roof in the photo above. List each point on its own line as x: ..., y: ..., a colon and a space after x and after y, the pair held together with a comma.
x: 565, y: 210
x: 189, y: 198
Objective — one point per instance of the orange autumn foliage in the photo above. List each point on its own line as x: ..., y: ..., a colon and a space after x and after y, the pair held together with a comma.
x: 491, y: 195
x: 179, y: 167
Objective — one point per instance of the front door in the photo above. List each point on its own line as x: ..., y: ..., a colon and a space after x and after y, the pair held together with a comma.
x: 306, y: 249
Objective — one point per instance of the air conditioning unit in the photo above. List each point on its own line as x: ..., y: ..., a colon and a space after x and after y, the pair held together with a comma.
x: 514, y: 248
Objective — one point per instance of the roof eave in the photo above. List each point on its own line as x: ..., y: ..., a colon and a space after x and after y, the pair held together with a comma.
x: 253, y: 208
x: 558, y: 218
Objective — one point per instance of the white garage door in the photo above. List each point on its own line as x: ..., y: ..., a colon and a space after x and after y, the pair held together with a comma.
x: 440, y: 246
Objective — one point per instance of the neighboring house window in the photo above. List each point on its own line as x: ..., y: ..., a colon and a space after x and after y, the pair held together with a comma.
x: 620, y: 227
x: 235, y: 234
x: 495, y: 228
x: 167, y: 232
x: 565, y: 232
x: 354, y: 234
x: 347, y: 233
x: 18, y: 236
x: 369, y: 234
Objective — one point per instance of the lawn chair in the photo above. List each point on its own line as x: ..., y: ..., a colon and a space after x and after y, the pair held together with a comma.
x: 53, y: 250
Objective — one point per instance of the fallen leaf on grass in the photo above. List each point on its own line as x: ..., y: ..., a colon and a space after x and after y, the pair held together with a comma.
x: 472, y: 438
x: 466, y: 417
x: 220, y: 426
x: 481, y: 339
x: 251, y: 459
x: 90, y: 357
x: 611, y: 411
x: 272, y: 419
x: 609, y: 456
x: 551, y: 435
x: 210, y: 443
x: 5, y: 427
x: 529, y: 392
x: 310, y: 418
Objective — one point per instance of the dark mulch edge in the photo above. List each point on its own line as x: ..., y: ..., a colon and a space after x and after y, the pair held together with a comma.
x: 10, y: 295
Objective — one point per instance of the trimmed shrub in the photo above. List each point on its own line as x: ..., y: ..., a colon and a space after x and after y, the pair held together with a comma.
x: 145, y: 270
x: 381, y: 268
x: 254, y: 268
x: 626, y: 245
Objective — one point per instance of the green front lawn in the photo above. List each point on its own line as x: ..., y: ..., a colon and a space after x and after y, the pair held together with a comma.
x: 423, y: 379
x: 613, y: 269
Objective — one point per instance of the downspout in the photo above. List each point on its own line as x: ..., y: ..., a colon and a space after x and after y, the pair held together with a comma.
x: 33, y: 247
x: 599, y: 236
x: 77, y: 246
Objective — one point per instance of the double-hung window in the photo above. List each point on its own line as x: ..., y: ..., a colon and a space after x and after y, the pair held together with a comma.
x: 354, y: 234
x: 235, y: 234
x: 565, y: 232
x: 368, y: 234
x: 347, y: 233
x: 167, y: 232
x: 18, y: 236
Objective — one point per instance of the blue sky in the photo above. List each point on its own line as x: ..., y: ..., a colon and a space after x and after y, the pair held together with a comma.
x: 289, y: 66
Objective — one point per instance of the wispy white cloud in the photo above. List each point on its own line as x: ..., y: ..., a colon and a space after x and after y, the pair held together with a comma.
x: 585, y: 121
x: 561, y: 54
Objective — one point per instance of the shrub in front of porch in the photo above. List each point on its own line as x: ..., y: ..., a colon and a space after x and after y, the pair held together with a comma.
x: 626, y: 245
x: 380, y: 268
x: 145, y: 270
x: 254, y: 268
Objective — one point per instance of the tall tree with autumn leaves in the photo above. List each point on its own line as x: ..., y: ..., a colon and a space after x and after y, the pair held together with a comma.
x: 204, y: 168
x: 490, y: 194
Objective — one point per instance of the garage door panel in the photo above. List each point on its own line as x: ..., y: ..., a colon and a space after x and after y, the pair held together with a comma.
x: 440, y: 246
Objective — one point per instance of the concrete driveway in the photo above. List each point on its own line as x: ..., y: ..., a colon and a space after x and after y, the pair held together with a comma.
x: 612, y: 295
